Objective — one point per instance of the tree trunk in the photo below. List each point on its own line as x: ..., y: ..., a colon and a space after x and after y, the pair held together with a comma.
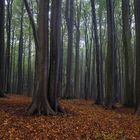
x: 20, y: 53
x: 35, y: 34
x: 87, y: 64
x: 11, y: 63
x: 8, y: 30
x: 55, y: 42
x: 69, y: 22
x: 137, y: 21
x: 99, y: 99
x: 45, y: 100
x: 29, y: 65
x: 77, y: 47
x: 128, y: 99
x: 2, y: 7
x: 111, y: 57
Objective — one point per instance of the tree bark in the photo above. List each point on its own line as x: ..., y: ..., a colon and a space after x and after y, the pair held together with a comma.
x: 111, y: 72
x: 69, y: 14
x: 99, y: 99
x: 8, y: 48
x: 128, y: 99
x: 2, y: 19
x: 29, y: 65
x: 45, y: 100
x: 137, y: 23
x: 20, y: 53
x: 77, y: 47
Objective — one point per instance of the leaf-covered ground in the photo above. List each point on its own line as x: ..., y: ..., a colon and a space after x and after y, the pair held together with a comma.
x: 83, y: 121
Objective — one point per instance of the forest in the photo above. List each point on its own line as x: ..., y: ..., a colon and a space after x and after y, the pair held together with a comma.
x: 69, y: 69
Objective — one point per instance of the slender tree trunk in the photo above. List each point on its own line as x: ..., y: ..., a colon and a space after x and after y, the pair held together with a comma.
x: 24, y: 70
x: 69, y: 13
x: 29, y: 65
x: 126, y: 44
x: 137, y: 84
x: 101, y: 56
x: 77, y: 66
x: 2, y: 7
x: 11, y: 63
x: 8, y: 30
x: 93, y: 82
x: 35, y: 34
x: 61, y: 64
x: 87, y: 70
x: 99, y: 99
x: 82, y: 76
x: 14, y: 68
x: 20, y: 53
x: 110, y: 60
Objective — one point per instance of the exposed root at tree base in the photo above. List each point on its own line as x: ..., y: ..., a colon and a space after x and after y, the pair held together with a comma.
x: 38, y: 108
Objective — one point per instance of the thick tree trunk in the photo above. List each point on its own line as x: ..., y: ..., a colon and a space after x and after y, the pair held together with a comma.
x: 55, y: 42
x: 40, y: 104
x: 45, y: 100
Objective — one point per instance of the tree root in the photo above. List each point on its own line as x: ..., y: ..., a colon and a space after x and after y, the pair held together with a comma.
x: 39, y: 108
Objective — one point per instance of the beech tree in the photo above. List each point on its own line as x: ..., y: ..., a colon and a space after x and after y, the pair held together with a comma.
x: 20, y: 54
x: 137, y: 22
x: 99, y: 99
x: 8, y: 46
x: 69, y: 16
x: 55, y: 42
x: 29, y: 64
x: 77, y: 50
x: 2, y: 5
x: 45, y: 100
x: 111, y: 54
x: 127, y: 44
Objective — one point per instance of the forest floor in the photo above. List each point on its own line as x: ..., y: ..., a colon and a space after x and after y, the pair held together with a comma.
x: 83, y: 121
